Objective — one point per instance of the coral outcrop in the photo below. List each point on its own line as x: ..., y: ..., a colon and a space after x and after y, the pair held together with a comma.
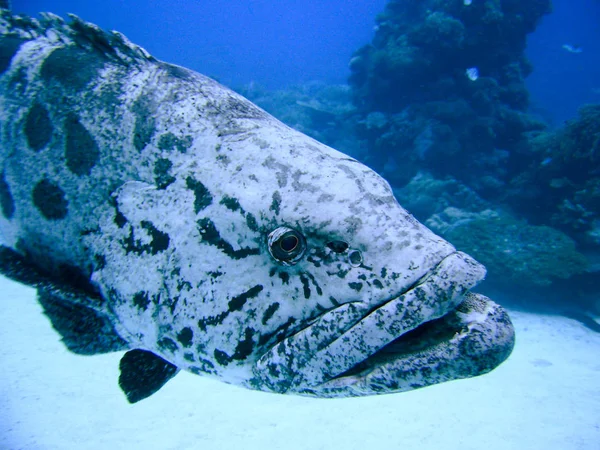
x: 514, y: 252
x: 446, y: 81
x: 561, y: 184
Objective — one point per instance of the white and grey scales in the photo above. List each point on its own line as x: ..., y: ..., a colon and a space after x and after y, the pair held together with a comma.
x: 160, y: 213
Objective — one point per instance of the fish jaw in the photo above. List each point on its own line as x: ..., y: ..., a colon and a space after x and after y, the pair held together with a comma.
x: 338, y: 354
x: 469, y: 341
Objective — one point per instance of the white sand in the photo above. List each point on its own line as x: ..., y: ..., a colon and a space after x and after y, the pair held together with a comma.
x: 546, y: 396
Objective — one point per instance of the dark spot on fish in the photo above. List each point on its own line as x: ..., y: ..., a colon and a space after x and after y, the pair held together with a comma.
x: 176, y: 71
x: 141, y: 300
x: 362, y: 277
x: 216, y: 274
x: 273, y: 370
x: 342, y: 273
x: 120, y: 219
x: 383, y: 272
x: 251, y: 222
x: 38, y: 127
x: 50, y: 200
x: 100, y: 261
x: 276, y: 203
x: 203, y: 197
x: 285, y: 277
x: 169, y: 141
x: 280, y: 333
x: 171, y: 302
x: 314, y: 282
x: 207, y: 366
x: 168, y: 344
x: 210, y: 321
x: 272, y: 271
x: 378, y: 284
x: 222, y: 358
x: 237, y: 302
x: 145, y: 123
x: 305, y: 286
x: 211, y: 236
x: 190, y: 357
x: 185, y: 336
x: 224, y: 160
x: 72, y: 66
x: 314, y: 261
x: 6, y: 200
x: 245, y: 346
x: 159, y: 241
x: 81, y: 150
x: 9, y: 46
x: 162, y: 179
x: 269, y: 312
x: 334, y: 301
x: 231, y: 203
x: 356, y: 286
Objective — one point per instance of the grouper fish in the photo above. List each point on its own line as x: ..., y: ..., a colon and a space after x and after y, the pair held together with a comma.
x: 161, y: 214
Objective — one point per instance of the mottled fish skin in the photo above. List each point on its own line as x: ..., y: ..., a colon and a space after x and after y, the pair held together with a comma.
x: 157, y: 188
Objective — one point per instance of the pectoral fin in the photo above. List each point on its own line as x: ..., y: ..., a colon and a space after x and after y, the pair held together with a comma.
x: 143, y: 373
x: 77, y: 314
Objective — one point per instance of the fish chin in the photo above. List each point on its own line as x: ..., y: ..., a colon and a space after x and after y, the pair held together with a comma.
x: 470, y: 340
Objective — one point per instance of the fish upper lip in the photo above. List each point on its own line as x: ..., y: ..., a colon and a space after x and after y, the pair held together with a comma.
x: 349, y: 334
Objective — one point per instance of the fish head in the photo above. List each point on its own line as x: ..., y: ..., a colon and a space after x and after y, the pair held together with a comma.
x: 342, y: 271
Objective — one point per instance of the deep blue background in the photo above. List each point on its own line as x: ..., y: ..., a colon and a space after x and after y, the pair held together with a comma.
x: 278, y: 43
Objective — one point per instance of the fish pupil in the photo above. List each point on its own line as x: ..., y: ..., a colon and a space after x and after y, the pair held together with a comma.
x: 289, y: 243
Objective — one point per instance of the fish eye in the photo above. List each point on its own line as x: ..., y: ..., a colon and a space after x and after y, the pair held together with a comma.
x: 355, y: 258
x: 338, y: 246
x: 286, y: 245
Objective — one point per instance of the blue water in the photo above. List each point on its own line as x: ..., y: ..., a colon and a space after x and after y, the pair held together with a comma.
x: 563, y: 81
x: 276, y: 44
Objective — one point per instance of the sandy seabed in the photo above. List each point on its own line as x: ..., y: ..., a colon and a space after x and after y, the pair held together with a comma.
x: 545, y: 396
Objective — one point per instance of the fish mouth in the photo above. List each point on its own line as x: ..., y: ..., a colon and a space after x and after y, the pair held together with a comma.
x: 470, y: 340
x: 350, y: 351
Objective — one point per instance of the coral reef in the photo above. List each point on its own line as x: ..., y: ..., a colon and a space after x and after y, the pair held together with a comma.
x: 514, y: 252
x: 446, y: 81
x: 561, y: 183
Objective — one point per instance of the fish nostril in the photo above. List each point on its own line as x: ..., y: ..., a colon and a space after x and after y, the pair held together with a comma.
x: 338, y: 246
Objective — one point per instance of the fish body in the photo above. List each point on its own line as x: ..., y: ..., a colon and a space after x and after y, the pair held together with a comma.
x: 159, y: 213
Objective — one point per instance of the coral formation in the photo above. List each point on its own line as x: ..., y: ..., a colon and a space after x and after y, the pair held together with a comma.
x: 561, y: 183
x: 434, y: 114
x: 513, y: 251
